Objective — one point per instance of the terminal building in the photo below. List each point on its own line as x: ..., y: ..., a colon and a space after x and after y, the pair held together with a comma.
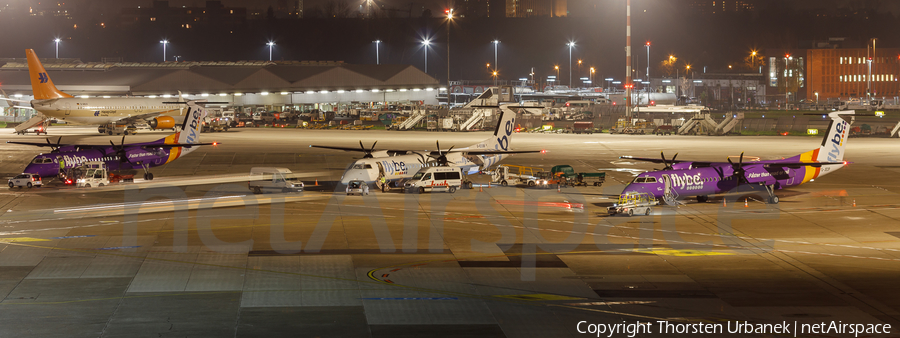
x: 298, y: 85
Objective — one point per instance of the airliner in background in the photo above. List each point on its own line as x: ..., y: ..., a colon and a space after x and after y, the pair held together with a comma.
x: 114, y: 115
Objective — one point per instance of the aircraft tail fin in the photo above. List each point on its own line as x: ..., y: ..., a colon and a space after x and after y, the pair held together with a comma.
x: 834, y: 141
x: 190, y: 131
x: 41, y: 84
x: 502, y: 132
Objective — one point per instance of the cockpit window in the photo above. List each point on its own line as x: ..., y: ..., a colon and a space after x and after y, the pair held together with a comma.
x: 645, y: 179
x: 362, y: 166
x: 42, y: 160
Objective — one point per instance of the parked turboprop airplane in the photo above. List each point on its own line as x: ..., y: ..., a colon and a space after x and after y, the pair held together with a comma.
x: 113, y: 114
x: 682, y: 179
x: 397, y: 165
x: 122, y: 156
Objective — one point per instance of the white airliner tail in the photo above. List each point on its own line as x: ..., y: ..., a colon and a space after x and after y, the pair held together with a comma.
x: 502, y: 132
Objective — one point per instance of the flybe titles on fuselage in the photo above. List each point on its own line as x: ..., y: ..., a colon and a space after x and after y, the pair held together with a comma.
x: 837, y: 140
x: 395, y: 168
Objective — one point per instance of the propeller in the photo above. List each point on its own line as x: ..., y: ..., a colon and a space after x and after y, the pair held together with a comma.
x: 120, y: 150
x: 368, y: 151
x: 55, y: 147
x: 738, y: 168
x: 441, y: 159
x: 666, y: 163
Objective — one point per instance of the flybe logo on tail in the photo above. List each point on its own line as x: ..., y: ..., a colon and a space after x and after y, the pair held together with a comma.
x: 837, y: 141
x: 507, y: 130
x: 43, y: 78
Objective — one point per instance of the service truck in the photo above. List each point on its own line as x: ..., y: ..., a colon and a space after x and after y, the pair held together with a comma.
x: 569, y: 176
x: 506, y: 174
x: 632, y: 202
x: 95, y: 174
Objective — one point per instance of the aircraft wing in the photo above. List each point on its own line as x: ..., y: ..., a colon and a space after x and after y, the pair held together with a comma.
x: 795, y: 164
x: 93, y: 146
x: 142, y: 117
x: 361, y: 150
x: 655, y: 160
x: 495, y: 152
x: 39, y: 144
x: 185, y: 145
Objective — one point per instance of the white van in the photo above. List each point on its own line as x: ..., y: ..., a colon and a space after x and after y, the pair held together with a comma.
x: 435, y: 178
x: 274, y: 180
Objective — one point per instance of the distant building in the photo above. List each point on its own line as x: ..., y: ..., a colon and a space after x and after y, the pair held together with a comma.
x: 836, y: 73
x: 536, y: 8
x: 721, y: 6
x: 214, y: 13
x: 298, y: 8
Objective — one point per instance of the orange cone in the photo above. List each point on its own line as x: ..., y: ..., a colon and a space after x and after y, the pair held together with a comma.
x: 854, y: 202
x: 317, y: 181
x: 745, y: 204
x: 557, y: 188
x: 489, y: 185
x: 481, y: 188
x: 724, y: 202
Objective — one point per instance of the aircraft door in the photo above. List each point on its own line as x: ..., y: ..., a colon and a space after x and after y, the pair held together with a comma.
x: 67, y: 108
x: 669, y: 194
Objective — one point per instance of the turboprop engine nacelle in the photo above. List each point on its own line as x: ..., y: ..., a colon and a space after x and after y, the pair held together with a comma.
x: 162, y: 122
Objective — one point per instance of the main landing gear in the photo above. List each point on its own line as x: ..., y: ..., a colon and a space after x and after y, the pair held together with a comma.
x: 148, y: 176
x: 772, y: 198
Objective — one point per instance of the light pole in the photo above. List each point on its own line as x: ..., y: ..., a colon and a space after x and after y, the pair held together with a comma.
x: 647, y: 88
x: 164, y: 42
x: 496, y: 43
x: 570, y: 44
x: 449, y: 21
x: 532, y: 76
x: 427, y: 43
x: 592, y: 76
x: 57, y: 47
x: 270, y: 44
x: 377, y: 58
x: 495, y: 78
x: 817, y: 100
x: 557, y: 71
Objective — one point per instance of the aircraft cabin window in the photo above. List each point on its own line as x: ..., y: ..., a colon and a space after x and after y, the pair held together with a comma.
x: 650, y: 180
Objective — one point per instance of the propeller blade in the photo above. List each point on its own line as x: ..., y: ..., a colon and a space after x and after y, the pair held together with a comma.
x: 373, y: 146
x: 741, y: 161
x: 673, y: 158
x: 361, y: 146
x: 439, y: 148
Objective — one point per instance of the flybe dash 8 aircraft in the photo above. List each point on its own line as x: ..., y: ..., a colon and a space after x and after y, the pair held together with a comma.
x: 111, y: 114
x: 682, y: 179
x: 123, y: 156
x: 397, y: 165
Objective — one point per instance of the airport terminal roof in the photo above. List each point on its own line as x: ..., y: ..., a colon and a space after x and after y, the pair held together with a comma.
x: 213, y: 77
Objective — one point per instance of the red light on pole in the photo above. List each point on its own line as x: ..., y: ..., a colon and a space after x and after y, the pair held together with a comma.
x: 648, y: 43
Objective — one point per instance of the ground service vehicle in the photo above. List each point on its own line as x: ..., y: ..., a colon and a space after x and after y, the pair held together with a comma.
x: 513, y: 174
x: 583, y: 127
x: 273, y: 180
x: 357, y: 187
x: 576, y: 179
x: 26, y: 180
x: 632, y: 202
x: 96, y: 174
x: 435, y: 178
